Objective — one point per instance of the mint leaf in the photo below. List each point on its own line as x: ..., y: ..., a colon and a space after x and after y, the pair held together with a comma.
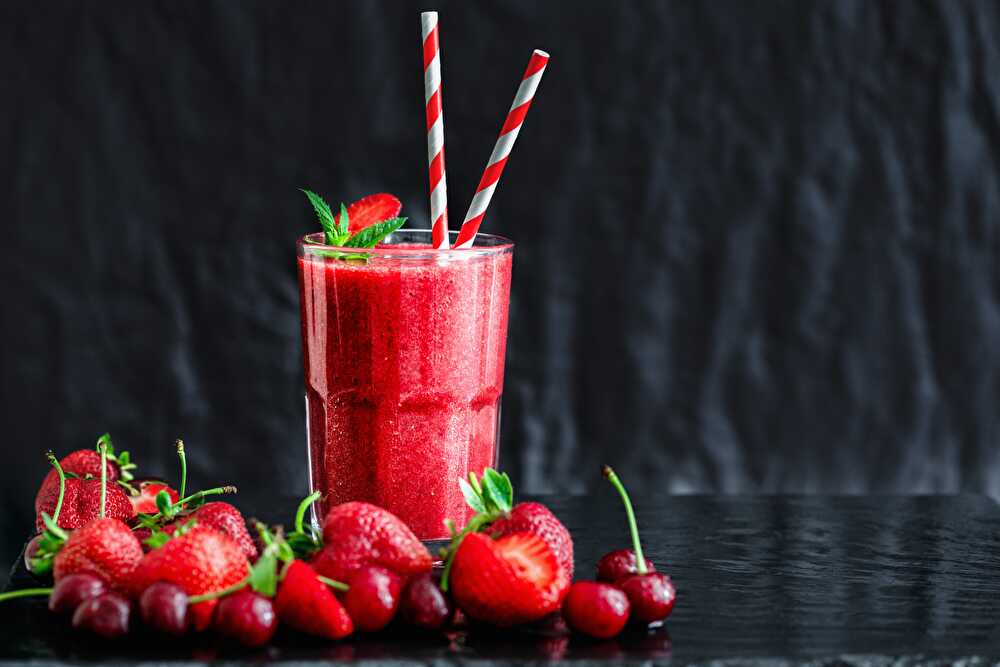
x: 472, y: 499
x: 370, y: 236
x: 343, y: 227
x: 325, y: 215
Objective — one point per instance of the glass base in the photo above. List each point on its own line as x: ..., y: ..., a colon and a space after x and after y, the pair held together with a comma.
x: 435, y: 547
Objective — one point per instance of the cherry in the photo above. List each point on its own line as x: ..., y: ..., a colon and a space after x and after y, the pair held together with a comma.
x: 596, y: 609
x: 106, y: 615
x: 651, y: 594
x: 247, y: 617
x: 164, y: 607
x: 423, y: 604
x: 372, y: 598
x: 70, y: 591
x: 617, y: 565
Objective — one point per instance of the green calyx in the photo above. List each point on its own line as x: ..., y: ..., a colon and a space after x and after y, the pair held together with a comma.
x: 123, y: 460
x: 265, y: 574
x: 492, y: 497
x: 336, y: 229
x: 158, y: 537
x: 640, y: 559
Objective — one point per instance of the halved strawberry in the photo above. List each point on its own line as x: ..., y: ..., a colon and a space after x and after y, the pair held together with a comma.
x: 145, y: 501
x: 515, y: 579
x: 371, y: 209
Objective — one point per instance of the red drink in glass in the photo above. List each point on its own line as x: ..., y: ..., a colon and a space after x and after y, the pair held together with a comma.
x: 404, y: 357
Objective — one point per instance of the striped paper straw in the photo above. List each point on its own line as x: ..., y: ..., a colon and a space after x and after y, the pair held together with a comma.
x: 435, y: 129
x: 508, y: 134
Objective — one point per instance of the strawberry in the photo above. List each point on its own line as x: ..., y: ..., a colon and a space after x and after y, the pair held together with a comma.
x: 105, y: 548
x: 226, y: 519
x: 492, y: 498
x: 357, y: 534
x: 536, y: 518
x: 371, y: 209
x: 201, y: 561
x: 86, y: 463
x: 145, y: 501
x: 306, y: 603
x: 82, y: 503
x: 515, y: 579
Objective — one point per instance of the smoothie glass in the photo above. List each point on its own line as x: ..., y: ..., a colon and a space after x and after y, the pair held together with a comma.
x: 404, y: 358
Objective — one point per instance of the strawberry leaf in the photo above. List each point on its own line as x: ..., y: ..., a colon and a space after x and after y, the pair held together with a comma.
x: 157, y: 539
x: 472, y: 498
x: 164, y: 503
x: 264, y: 574
x: 371, y: 236
x: 498, y: 489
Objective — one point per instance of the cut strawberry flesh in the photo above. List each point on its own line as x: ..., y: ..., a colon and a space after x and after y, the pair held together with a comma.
x: 528, y: 556
x: 371, y: 209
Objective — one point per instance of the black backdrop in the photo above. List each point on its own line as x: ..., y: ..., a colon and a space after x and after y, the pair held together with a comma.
x: 757, y: 241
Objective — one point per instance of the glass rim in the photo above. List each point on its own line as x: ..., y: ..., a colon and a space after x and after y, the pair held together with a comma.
x: 497, y: 245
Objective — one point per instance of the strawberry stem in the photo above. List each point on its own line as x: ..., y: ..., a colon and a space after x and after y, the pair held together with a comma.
x: 336, y: 585
x: 24, y: 593
x: 102, y: 447
x: 184, y: 466
x: 62, y: 484
x: 300, y: 513
x: 640, y: 560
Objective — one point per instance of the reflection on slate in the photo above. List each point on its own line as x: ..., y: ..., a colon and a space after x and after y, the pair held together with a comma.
x: 757, y: 242
x: 859, y: 580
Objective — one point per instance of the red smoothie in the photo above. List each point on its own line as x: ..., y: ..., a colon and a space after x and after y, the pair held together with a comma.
x: 404, y: 358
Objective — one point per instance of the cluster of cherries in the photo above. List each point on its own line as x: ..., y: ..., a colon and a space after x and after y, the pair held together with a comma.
x: 627, y: 587
x: 373, y: 600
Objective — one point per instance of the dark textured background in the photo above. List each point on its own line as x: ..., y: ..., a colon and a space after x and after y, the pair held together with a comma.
x: 757, y: 242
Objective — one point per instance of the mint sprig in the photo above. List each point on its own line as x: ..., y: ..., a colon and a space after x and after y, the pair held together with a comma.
x: 371, y: 236
x: 336, y: 229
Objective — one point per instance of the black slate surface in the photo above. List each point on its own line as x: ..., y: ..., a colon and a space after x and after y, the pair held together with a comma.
x: 770, y: 580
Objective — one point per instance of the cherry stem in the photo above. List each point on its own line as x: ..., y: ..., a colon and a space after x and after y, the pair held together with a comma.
x: 217, y: 491
x: 103, y: 448
x: 205, y: 597
x: 300, y: 513
x: 332, y: 583
x: 62, y: 485
x: 640, y: 560
x: 24, y: 593
x: 184, y: 466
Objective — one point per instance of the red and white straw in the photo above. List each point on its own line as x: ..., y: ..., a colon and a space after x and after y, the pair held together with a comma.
x: 508, y: 134
x: 435, y: 129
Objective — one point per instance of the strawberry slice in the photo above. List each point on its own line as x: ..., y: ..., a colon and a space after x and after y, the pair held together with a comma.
x: 516, y: 579
x: 371, y: 209
x: 145, y: 501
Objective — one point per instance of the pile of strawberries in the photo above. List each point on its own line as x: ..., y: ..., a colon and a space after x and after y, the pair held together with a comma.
x: 117, y: 547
